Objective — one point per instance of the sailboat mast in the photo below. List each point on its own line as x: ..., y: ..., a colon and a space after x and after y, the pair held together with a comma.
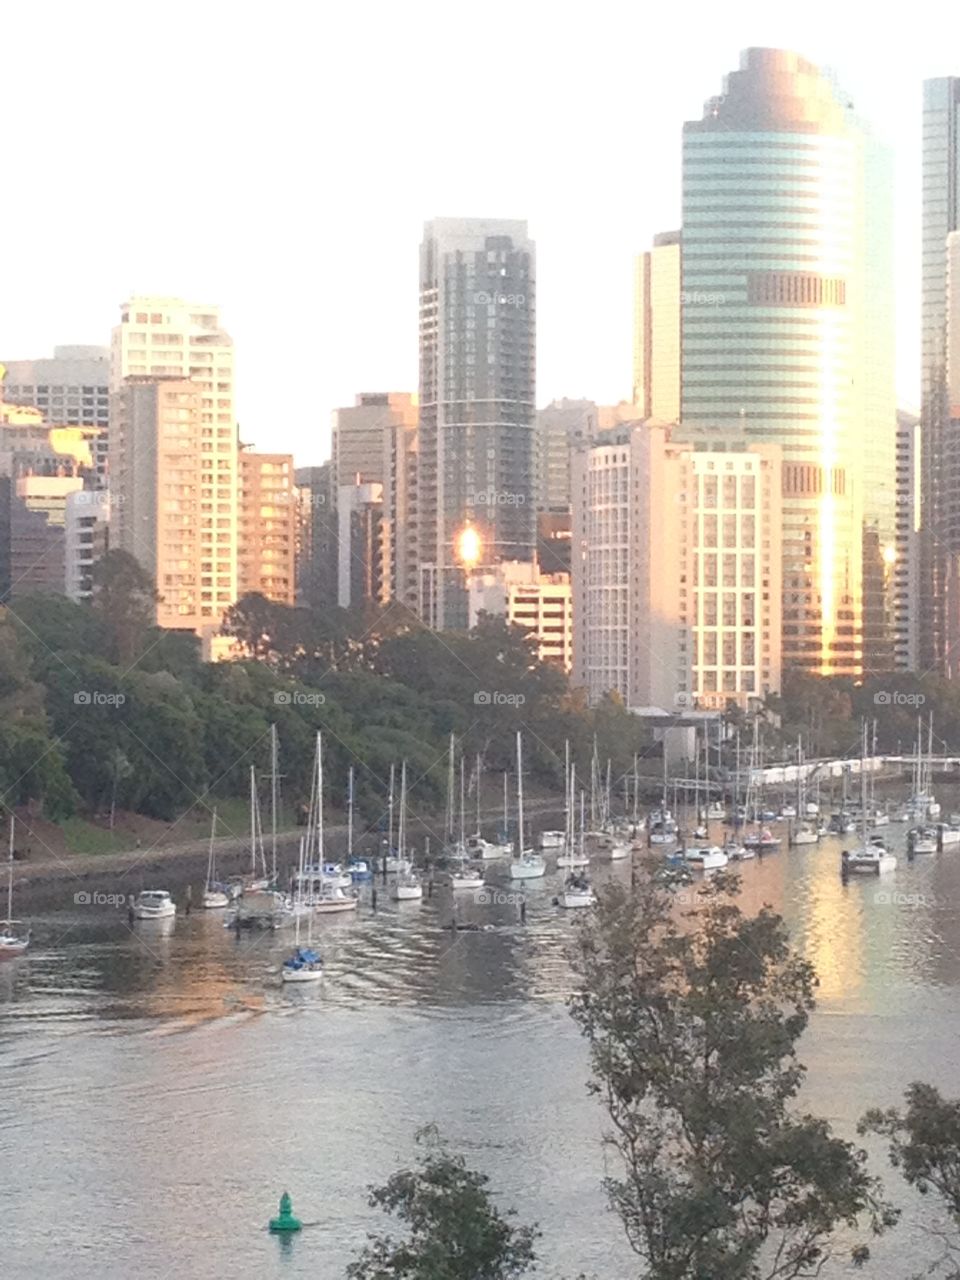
x: 274, y: 784
x: 10, y: 870
x: 520, y: 792
x: 450, y: 784
x: 402, y: 825
x: 393, y: 768
x: 350, y: 812
x: 636, y: 791
x: 320, y: 797
x: 463, y: 801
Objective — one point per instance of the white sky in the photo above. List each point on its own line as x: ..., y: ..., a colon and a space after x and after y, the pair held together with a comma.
x: 281, y: 158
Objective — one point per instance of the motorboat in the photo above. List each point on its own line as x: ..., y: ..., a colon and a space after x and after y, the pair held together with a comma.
x: 663, y: 832
x: 762, y: 840
x: 577, y: 892
x: 154, y: 904
x: 872, y: 858
x: 923, y: 840
x: 305, y: 965
x: 619, y: 849
x: 707, y: 857
x: 949, y: 833
x: 737, y: 852
x: 716, y: 811
x: 407, y: 888
x: 806, y: 833
x: 476, y: 847
x: 330, y: 899
x: 360, y: 870
x: 552, y: 839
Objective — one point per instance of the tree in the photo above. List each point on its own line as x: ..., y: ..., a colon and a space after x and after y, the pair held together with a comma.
x: 925, y: 1147
x: 455, y: 1230
x: 125, y: 598
x: 692, y: 1024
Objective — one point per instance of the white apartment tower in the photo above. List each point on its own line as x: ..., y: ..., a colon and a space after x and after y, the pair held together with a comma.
x: 174, y: 455
x: 676, y: 570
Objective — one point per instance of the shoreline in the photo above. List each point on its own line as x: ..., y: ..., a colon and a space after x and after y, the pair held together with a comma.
x: 183, y: 864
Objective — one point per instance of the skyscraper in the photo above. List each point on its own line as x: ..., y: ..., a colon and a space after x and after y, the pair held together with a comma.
x: 939, y: 434
x: 267, y: 526
x: 787, y: 330
x: 71, y: 389
x: 656, y: 329
x: 477, y: 403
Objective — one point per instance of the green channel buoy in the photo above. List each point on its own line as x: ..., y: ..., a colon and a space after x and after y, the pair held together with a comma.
x: 285, y: 1221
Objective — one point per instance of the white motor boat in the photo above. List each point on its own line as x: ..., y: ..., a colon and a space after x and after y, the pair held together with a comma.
x: 872, y: 858
x: 806, y: 833
x: 922, y: 840
x: 716, y: 811
x: 331, y: 899
x: 619, y: 850
x: 737, y: 852
x: 305, y: 965
x: 577, y: 892
x: 552, y: 839
x: 154, y: 904
x: 662, y: 833
x: 787, y: 811
x: 476, y: 847
x: 707, y: 858
x: 949, y: 834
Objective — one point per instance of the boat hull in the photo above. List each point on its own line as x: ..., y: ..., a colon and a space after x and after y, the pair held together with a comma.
x: 533, y: 870
x: 301, y: 975
x: 571, y: 901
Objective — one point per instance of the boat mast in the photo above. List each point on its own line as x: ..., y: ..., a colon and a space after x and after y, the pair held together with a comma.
x: 636, y: 791
x: 450, y: 785
x: 393, y: 768
x: 583, y: 801
x: 402, y: 822
x: 210, y: 866
x: 320, y: 797
x: 478, y: 793
x: 253, y: 821
x: 10, y: 871
x: 506, y: 809
x: 274, y: 788
x: 520, y: 791
x: 350, y: 812
x: 463, y: 803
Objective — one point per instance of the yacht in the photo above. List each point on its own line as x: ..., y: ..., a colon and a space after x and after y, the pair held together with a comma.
x: 577, y: 892
x: 707, y: 858
x: 154, y: 904
x: 14, y: 935
x: 922, y: 840
x: 872, y: 858
x: 528, y: 865
x: 552, y: 839
x: 305, y: 965
x: 215, y: 894
x: 407, y: 886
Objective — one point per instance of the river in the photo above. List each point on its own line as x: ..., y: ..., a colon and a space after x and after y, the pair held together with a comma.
x: 161, y: 1088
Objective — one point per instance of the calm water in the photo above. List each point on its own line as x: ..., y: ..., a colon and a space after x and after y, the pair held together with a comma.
x: 160, y: 1088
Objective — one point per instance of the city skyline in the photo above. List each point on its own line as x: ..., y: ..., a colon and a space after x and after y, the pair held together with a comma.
x: 352, y: 316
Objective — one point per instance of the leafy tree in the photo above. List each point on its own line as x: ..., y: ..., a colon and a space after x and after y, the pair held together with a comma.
x: 692, y: 1025
x: 124, y: 599
x: 925, y: 1147
x: 455, y: 1230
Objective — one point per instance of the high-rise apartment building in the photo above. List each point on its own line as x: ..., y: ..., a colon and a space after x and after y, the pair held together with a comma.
x: 939, y: 432
x: 316, y: 548
x: 358, y: 431
x: 906, y: 560
x: 656, y: 329
x: 477, y: 403
x: 173, y: 489
x: 676, y: 569
x: 360, y: 559
x: 267, y: 526
x: 87, y: 539
x: 401, y: 515
x: 561, y: 427
x: 786, y: 321
x: 70, y: 389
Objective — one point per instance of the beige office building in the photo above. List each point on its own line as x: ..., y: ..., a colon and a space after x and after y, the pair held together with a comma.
x: 173, y: 482
x: 540, y: 603
x: 676, y: 569
x: 267, y: 526
x: 656, y: 329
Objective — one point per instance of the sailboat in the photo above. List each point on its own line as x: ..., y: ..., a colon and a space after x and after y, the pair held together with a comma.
x: 871, y: 856
x: 407, y: 886
x: 214, y: 893
x: 528, y: 865
x: 573, y: 855
x: 258, y: 879
x: 577, y: 889
x: 762, y: 839
x: 14, y: 935
x: 305, y: 964
x: 462, y: 875
x: 661, y: 828
x: 319, y: 883
x: 503, y: 845
x: 357, y: 868
x: 806, y: 832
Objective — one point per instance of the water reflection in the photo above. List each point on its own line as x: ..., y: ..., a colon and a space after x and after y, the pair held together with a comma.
x: 163, y: 1087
